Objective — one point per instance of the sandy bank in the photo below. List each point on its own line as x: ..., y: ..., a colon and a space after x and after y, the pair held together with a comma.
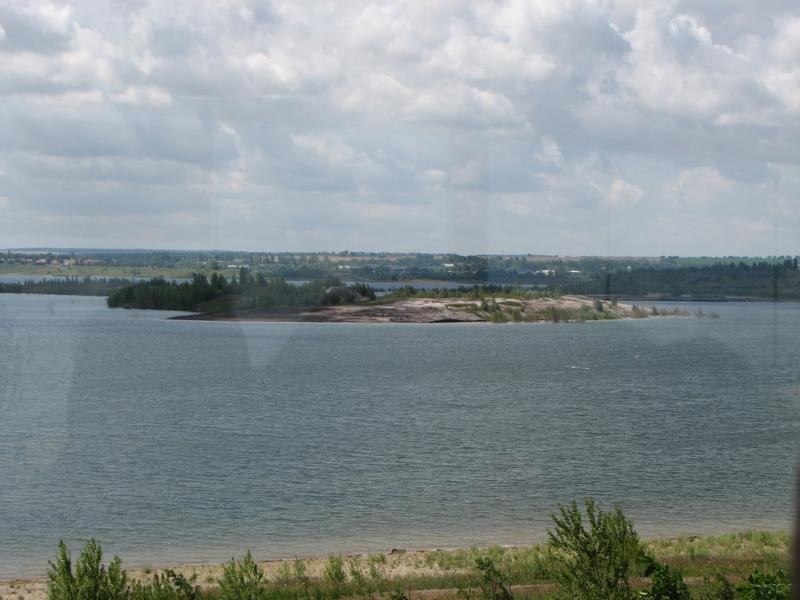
x: 436, y: 310
x: 732, y: 554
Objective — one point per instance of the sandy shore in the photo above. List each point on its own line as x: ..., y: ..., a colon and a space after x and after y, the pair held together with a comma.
x: 431, y: 310
x: 732, y: 554
x: 398, y: 563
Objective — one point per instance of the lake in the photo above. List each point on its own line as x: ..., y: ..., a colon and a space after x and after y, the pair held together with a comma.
x: 184, y: 441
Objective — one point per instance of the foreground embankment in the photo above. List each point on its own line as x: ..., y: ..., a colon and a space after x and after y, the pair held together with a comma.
x: 526, y: 571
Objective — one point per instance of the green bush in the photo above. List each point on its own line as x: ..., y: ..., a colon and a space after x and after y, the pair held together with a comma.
x: 723, y: 590
x: 242, y: 580
x: 166, y: 586
x: 334, y: 571
x: 492, y: 584
x: 765, y: 586
x: 593, y: 562
x: 665, y: 583
x: 91, y: 579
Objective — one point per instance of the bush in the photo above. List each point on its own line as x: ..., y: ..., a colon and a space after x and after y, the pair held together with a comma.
x: 723, y: 590
x: 91, y: 579
x: 765, y: 586
x: 334, y: 571
x: 166, y: 586
x: 242, y: 580
x: 493, y: 586
x: 593, y: 562
x: 666, y: 583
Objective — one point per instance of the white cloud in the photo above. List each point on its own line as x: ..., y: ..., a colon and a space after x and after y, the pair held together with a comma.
x: 550, y: 152
x: 622, y: 194
x: 785, y: 46
x: 284, y: 116
x: 465, y: 106
x: 469, y: 174
x: 696, y: 186
x: 149, y: 96
x: 676, y: 67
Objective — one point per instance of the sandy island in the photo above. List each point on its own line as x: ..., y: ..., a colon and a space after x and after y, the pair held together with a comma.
x: 437, y: 310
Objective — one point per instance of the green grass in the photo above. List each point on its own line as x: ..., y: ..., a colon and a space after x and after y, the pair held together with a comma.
x: 734, y: 554
x: 529, y: 572
x: 98, y: 271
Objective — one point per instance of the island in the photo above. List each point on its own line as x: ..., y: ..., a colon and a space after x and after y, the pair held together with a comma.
x: 257, y: 298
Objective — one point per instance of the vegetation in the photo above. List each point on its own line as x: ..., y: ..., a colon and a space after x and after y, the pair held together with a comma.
x: 492, y: 303
x: 242, y: 580
x: 590, y: 554
x: 218, y: 294
x: 664, y: 277
x: 594, y: 561
x: 91, y: 579
x: 718, y: 281
x: 69, y: 286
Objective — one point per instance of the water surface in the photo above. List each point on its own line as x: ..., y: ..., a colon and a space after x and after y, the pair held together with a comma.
x: 179, y: 441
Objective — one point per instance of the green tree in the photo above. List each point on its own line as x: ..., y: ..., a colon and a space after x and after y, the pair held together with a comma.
x: 595, y: 561
x: 91, y: 579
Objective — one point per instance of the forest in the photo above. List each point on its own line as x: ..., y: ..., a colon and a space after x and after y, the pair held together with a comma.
x: 245, y: 291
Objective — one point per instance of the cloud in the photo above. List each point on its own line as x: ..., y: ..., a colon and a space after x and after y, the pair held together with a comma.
x: 454, y: 125
x: 622, y: 194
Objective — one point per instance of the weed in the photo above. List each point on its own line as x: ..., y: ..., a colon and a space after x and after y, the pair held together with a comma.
x: 334, y: 571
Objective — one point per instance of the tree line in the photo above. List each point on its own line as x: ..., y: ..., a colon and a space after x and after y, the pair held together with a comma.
x: 759, y: 280
x: 242, y: 292
x: 68, y: 286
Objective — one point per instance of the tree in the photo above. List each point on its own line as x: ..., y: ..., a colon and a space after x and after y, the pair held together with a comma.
x: 91, y: 580
x: 595, y: 561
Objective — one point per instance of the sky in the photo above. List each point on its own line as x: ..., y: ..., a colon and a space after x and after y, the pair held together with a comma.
x: 558, y: 127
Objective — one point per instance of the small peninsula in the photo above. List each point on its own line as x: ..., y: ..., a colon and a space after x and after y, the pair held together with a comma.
x: 249, y: 298
x: 439, y: 310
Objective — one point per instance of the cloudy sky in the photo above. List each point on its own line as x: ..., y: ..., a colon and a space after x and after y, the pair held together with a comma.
x: 544, y: 126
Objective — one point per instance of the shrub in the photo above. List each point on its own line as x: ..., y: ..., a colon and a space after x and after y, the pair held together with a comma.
x: 491, y: 582
x: 300, y: 573
x: 593, y: 562
x: 723, y: 590
x: 166, y: 586
x: 334, y: 571
x: 242, y: 580
x: 91, y: 579
x: 765, y: 586
x: 666, y: 583
x: 493, y: 586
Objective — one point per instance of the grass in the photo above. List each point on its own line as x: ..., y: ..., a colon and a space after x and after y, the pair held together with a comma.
x: 529, y: 572
x: 734, y: 554
x: 99, y: 271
